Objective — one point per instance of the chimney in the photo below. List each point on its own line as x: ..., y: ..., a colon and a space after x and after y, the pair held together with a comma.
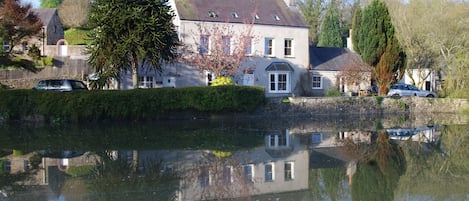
x: 290, y: 3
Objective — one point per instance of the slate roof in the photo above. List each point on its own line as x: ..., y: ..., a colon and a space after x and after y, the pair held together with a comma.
x: 45, y: 14
x: 331, y: 58
x: 245, y: 10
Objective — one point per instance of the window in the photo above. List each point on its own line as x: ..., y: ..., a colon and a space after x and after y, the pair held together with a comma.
x: 249, y: 172
x: 204, y: 177
x: 288, y: 169
x: 204, y: 42
x: 234, y: 14
x: 317, y: 82
x: 269, y: 47
x: 212, y: 14
x: 269, y: 172
x: 276, y: 17
x: 209, y: 77
x: 279, y: 82
x: 248, y: 46
x: 316, y: 138
x: 278, y: 140
x: 145, y: 82
x: 288, y: 47
x: 6, y: 46
x: 24, y: 46
x: 227, y: 178
x: 248, y: 79
x: 226, y: 44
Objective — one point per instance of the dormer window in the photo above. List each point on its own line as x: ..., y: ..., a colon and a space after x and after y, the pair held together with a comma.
x: 256, y: 17
x: 276, y: 18
x: 212, y: 14
x: 234, y: 14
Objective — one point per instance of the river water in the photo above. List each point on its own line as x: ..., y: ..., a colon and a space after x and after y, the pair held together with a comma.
x: 232, y: 158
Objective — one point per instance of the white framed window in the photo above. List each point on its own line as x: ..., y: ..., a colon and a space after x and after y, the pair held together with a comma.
x: 226, y: 44
x: 204, y: 44
x: 145, y: 81
x: 248, y: 171
x: 269, y: 172
x: 6, y: 46
x: 278, y: 140
x: 249, y: 45
x: 288, y: 48
x: 269, y: 47
x: 317, y: 82
x: 279, y: 82
x: 289, y: 170
x: 209, y: 77
x: 24, y: 46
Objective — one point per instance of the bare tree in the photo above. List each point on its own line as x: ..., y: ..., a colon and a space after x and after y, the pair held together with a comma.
x: 356, y: 72
x: 434, y: 36
x: 74, y: 13
x: 218, y: 178
x: 219, y: 48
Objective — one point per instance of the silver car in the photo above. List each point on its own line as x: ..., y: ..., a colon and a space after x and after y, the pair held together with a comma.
x: 409, y: 90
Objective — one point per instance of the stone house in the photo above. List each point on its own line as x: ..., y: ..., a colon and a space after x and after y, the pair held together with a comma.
x: 51, y: 34
x: 328, y: 65
x: 277, y: 57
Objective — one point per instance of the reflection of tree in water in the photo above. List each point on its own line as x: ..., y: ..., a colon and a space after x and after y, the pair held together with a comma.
x: 378, y: 171
x: 119, y: 180
x: 328, y: 184
x: 443, y: 163
x: 217, y: 177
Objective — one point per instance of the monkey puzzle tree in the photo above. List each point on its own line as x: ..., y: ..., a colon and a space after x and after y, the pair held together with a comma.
x: 131, y: 35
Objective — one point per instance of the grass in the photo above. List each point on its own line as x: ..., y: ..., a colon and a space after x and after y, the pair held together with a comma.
x: 76, y: 36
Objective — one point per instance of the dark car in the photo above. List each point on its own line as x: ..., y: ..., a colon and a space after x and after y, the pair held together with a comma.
x: 60, y: 85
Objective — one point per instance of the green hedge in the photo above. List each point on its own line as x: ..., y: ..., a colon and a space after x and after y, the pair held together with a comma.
x: 140, y: 104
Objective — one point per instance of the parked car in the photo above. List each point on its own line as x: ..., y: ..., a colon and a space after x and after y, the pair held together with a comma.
x: 409, y: 90
x: 60, y: 85
x: 372, y: 90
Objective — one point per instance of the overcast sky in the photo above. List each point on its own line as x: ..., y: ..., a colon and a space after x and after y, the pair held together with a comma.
x: 34, y: 3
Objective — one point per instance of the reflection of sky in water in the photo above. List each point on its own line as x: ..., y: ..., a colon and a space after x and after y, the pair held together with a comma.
x: 60, y: 198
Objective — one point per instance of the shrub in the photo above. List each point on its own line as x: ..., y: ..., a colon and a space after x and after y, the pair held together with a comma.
x: 34, y: 52
x: 47, y: 61
x: 332, y: 92
x: 221, y: 81
x: 138, y: 104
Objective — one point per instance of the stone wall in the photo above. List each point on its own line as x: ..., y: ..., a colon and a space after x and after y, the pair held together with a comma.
x: 376, y: 105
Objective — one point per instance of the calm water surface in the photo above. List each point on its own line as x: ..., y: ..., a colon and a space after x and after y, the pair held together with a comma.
x: 340, y: 158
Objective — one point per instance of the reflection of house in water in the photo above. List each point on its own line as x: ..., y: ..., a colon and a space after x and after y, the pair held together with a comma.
x: 271, y: 169
x: 47, y: 182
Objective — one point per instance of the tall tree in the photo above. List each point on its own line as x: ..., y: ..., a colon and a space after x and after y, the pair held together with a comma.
x: 312, y: 11
x: 356, y: 29
x: 50, y: 3
x: 378, y: 45
x: 74, y: 13
x: 131, y: 35
x: 331, y: 32
x: 17, y: 22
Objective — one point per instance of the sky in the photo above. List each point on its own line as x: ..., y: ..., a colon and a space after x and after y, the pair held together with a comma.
x: 34, y: 3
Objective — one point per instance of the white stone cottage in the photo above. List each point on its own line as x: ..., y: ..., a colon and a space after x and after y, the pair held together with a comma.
x: 278, y: 57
